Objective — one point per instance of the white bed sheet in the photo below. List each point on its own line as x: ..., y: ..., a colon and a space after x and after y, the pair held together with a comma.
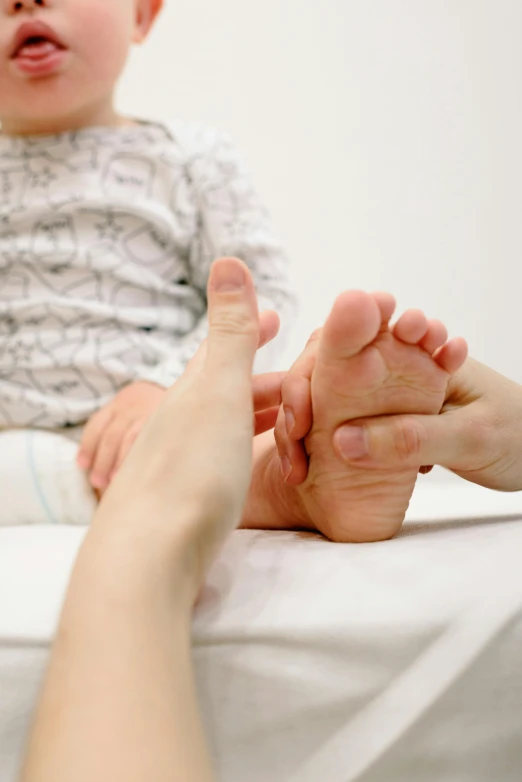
x: 319, y: 662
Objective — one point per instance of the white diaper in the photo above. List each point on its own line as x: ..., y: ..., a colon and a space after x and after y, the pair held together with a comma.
x: 40, y: 482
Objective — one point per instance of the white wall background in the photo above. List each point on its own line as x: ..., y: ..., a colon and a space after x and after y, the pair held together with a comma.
x: 384, y: 135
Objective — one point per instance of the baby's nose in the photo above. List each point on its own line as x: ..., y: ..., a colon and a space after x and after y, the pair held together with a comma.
x: 17, y: 6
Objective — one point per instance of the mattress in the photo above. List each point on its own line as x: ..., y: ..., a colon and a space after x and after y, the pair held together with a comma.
x: 321, y: 662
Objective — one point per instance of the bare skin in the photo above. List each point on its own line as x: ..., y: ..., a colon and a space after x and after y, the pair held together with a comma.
x: 363, y: 368
x: 477, y: 435
x: 111, y: 432
x: 119, y: 701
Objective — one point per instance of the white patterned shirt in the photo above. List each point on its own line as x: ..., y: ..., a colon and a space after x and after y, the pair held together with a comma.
x: 106, y: 240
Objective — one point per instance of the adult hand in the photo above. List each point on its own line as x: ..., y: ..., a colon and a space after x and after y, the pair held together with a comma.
x: 111, y: 432
x: 296, y: 415
x: 185, y: 481
x: 121, y: 662
x: 477, y: 435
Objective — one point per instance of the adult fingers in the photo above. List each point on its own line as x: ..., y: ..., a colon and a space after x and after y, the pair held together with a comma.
x: 295, y: 418
x: 129, y: 438
x: 296, y: 390
x: 292, y: 453
x: 269, y: 325
x: 197, y: 360
x: 296, y: 393
x: 449, y: 439
x: 233, y: 323
x: 267, y: 390
x: 264, y: 420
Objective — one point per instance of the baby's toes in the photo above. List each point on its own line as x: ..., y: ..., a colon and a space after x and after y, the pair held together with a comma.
x: 411, y: 327
x: 354, y: 322
x: 435, y: 337
x: 452, y: 355
x: 386, y: 303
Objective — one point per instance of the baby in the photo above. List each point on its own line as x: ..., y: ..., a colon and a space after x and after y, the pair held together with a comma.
x: 108, y: 228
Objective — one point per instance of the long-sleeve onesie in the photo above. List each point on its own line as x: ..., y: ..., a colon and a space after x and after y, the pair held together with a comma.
x: 106, y: 241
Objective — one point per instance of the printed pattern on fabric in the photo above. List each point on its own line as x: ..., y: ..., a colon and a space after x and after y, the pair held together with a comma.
x: 106, y: 241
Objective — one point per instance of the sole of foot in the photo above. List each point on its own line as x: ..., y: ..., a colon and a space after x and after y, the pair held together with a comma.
x: 366, y: 368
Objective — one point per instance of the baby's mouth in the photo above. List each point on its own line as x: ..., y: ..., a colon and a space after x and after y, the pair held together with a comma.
x: 35, y: 41
x: 36, y: 48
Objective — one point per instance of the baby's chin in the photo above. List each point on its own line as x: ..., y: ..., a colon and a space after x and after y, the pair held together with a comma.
x: 49, y: 110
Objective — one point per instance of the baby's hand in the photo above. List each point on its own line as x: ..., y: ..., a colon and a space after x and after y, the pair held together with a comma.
x: 111, y: 432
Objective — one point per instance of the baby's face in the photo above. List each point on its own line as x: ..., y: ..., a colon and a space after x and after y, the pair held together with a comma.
x: 61, y: 58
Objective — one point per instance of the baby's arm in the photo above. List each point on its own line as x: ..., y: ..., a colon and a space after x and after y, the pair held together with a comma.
x: 233, y: 222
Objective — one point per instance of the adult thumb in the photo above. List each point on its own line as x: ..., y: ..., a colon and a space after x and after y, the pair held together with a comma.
x: 401, y: 441
x: 233, y: 319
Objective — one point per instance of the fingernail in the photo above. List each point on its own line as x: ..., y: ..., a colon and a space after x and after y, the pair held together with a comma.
x: 228, y: 275
x: 286, y: 468
x: 352, y: 442
x: 290, y: 421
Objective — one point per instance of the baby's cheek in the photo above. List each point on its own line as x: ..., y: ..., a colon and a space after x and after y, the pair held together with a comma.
x: 104, y: 35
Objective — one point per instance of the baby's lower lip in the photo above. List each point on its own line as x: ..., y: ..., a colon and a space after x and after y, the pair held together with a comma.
x: 42, y: 59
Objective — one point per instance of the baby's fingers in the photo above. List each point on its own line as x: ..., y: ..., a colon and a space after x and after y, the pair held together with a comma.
x: 107, y: 454
x: 91, y: 437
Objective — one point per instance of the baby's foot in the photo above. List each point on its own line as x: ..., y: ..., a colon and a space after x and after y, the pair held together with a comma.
x: 365, y: 369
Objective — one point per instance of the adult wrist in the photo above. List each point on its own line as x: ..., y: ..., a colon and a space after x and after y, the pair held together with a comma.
x: 132, y: 554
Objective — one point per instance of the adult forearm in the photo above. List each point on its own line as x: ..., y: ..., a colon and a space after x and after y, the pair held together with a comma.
x: 119, y: 700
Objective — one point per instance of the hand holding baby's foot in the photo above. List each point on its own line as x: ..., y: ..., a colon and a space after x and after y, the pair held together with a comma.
x: 364, y: 368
